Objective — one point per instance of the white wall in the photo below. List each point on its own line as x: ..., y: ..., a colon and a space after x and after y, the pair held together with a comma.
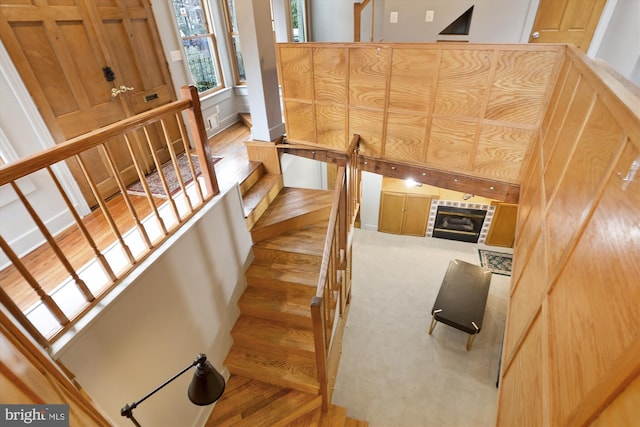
x: 370, y: 204
x: 331, y: 20
x: 303, y: 173
x: 494, y: 21
x: 620, y: 43
x: 183, y: 303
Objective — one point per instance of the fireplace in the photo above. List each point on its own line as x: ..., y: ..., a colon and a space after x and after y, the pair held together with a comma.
x: 458, y: 223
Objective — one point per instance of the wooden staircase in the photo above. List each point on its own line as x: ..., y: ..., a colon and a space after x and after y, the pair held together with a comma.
x: 252, y: 403
x: 272, y: 361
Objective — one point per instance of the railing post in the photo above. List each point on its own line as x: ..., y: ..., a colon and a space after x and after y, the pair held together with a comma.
x: 317, y: 322
x: 200, y: 140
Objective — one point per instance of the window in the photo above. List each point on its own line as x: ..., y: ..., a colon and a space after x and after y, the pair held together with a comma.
x: 199, y: 43
x: 234, y: 42
x: 298, y: 20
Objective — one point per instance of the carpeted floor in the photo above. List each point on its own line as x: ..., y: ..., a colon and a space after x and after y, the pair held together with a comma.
x: 392, y: 372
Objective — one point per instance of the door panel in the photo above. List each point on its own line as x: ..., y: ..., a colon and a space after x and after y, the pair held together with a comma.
x: 391, y: 212
x: 131, y: 38
x: 60, y: 48
x: 416, y: 215
x: 53, y: 48
x: 567, y: 21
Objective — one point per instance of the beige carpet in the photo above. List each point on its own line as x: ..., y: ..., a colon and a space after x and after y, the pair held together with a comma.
x: 392, y: 372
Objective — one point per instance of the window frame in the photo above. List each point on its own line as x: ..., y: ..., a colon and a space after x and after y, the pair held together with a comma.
x: 211, y: 36
x: 230, y: 37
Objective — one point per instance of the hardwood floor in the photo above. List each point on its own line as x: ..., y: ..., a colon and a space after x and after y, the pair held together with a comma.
x: 46, y: 267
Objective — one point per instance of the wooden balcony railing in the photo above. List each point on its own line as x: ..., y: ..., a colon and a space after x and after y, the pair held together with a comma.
x: 47, y: 307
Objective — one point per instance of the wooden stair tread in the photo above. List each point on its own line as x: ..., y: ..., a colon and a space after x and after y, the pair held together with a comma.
x: 352, y: 422
x: 259, y: 191
x: 230, y: 173
x: 266, y: 333
x: 257, y: 171
x: 285, y: 370
x: 246, y: 119
x: 307, y: 240
x: 264, y: 255
x: 291, y: 308
x: 292, y: 202
x: 336, y: 416
x: 248, y: 402
x: 305, y: 274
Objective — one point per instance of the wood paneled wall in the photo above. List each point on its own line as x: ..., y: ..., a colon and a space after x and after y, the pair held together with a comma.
x: 470, y: 109
x: 567, y: 130
x: 572, y: 340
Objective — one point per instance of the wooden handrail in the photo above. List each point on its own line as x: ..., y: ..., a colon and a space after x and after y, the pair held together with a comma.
x: 74, y: 146
x: 330, y: 302
x: 328, y: 241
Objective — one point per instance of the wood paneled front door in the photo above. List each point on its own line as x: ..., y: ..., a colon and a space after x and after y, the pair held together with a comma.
x: 71, y: 54
x: 567, y: 21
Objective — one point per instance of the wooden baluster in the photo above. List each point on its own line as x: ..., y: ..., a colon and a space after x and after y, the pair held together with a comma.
x: 54, y: 245
x: 105, y: 209
x: 185, y: 142
x: 83, y: 229
x: 317, y: 308
x: 145, y: 186
x: 200, y: 140
x: 19, y: 316
x: 163, y: 179
x: 174, y: 161
x: 125, y: 196
x: 44, y: 297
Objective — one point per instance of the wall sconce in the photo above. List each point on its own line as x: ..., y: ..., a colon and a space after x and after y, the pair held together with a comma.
x: 206, y: 387
x: 467, y: 196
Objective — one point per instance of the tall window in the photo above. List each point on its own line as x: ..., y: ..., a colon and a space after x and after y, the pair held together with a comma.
x: 299, y: 20
x: 234, y: 42
x: 199, y: 43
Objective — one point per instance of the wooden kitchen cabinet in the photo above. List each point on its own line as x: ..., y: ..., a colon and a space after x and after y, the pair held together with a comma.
x: 503, y: 227
x: 403, y: 213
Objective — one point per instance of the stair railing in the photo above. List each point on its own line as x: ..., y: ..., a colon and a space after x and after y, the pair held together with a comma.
x: 29, y: 296
x: 334, y: 283
x: 331, y: 287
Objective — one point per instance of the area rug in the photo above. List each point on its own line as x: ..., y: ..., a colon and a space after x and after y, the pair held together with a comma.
x: 496, y: 262
x: 155, y: 184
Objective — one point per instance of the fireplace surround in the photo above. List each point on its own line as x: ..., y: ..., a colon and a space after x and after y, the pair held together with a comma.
x: 462, y: 221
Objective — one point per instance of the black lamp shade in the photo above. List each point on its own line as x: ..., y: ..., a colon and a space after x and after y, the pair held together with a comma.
x: 206, y: 386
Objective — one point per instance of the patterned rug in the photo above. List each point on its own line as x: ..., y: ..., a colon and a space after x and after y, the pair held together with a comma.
x: 496, y: 262
x: 155, y: 184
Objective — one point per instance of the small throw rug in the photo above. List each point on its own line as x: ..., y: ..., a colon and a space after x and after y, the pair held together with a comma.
x: 496, y: 262
x: 155, y: 183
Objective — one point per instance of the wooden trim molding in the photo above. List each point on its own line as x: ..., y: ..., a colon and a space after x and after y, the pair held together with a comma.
x: 490, y: 189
